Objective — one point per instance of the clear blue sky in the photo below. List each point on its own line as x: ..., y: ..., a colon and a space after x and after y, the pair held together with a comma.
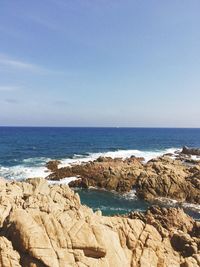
x: 100, y: 63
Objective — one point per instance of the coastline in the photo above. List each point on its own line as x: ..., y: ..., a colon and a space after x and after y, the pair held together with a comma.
x: 35, y: 167
x: 166, y: 179
x: 137, y: 202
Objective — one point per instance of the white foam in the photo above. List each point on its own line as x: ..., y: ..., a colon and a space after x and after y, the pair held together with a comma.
x: 22, y: 172
x: 194, y: 207
x: 147, y: 155
x: 174, y: 203
x: 194, y: 157
x: 36, y: 160
x: 118, y: 209
x: 109, y: 208
x: 130, y: 195
x: 66, y: 180
x: 35, y: 167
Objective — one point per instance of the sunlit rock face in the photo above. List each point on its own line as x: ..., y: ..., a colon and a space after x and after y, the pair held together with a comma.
x: 46, y: 225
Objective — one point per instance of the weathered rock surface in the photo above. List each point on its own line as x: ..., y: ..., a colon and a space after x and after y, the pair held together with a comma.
x: 161, y: 177
x: 46, y: 226
x: 112, y: 174
x: 166, y: 177
x: 52, y: 165
x: 191, y: 151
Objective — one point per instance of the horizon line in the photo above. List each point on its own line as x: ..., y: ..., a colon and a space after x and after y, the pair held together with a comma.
x: 109, y: 127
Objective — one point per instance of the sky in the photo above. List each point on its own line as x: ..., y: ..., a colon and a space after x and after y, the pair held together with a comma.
x: 118, y: 63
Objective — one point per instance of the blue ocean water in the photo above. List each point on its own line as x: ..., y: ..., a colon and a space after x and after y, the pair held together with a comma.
x: 19, y: 143
x: 25, y: 150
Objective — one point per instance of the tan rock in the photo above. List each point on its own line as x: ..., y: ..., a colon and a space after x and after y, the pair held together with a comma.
x: 8, y: 256
x: 48, y: 227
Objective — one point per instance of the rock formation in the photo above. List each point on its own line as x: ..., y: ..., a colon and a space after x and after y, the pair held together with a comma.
x: 46, y: 226
x: 165, y: 177
x: 190, y: 151
x: 52, y: 165
x: 161, y: 177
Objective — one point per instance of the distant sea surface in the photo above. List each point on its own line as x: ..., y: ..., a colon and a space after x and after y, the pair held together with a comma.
x: 24, y: 152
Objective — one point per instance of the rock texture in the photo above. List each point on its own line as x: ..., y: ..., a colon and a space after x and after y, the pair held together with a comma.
x: 191, y: 151
x: 166, y: 177
x: 46, y: 226
x: 112, y: 174
x: 161, y: 177
x: 52, y: 165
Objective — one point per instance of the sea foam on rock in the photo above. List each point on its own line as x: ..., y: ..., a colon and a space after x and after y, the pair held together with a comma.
x: 46, y: 225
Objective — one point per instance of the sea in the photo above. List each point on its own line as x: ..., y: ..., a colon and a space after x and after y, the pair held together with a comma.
x: 24, y: 151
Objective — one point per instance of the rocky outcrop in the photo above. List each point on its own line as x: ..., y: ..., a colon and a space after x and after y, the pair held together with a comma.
x: 190, y: 151
x: 166, y: 220
x: 52, y: 165
x: 112, y: 174
x: 165, y: 177
x: 184, y: 233
x: 45, y: 225
x: 161, y: 177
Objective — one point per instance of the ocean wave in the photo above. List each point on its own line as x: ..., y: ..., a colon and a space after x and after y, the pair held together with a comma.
x: 35, y: 161
x: 35, y: 167
x: 21, y: 172
x: 147, y: 155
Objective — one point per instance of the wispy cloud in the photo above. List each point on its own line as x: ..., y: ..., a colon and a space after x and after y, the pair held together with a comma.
x: 11, y: 101
x: 17, y: 64
x: 61, y: 102
x: 10, y: 63
x: 8, y: 88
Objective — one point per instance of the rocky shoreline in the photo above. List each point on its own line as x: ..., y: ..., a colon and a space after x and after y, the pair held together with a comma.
x: 169, y: 176
x: 46, y: 225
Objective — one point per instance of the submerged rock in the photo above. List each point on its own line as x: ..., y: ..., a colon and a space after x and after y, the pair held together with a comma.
x: 46, y: 225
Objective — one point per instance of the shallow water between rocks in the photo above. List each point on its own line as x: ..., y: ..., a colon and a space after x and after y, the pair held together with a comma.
x: 112, y: 203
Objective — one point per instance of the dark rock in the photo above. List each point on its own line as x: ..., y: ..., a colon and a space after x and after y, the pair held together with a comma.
x: 184, y: 243
x: 190, y: 151
x: 52, y: 165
